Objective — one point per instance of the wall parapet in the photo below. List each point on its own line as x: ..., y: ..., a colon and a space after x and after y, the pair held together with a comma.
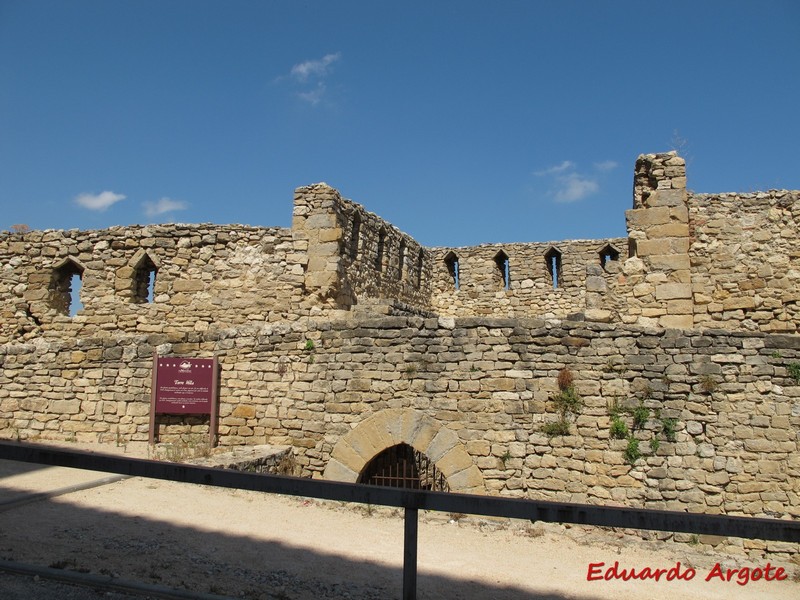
x: 688, y: 261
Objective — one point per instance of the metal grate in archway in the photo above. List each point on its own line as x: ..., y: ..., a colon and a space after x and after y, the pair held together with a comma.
x: 403, y: 467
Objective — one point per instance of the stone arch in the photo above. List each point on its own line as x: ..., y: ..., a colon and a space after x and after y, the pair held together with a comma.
x: 395, y: 426
x: 60, y: 291
x: 145, y: 268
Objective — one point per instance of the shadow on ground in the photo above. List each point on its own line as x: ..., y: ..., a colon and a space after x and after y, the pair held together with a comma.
x: 146, y: 549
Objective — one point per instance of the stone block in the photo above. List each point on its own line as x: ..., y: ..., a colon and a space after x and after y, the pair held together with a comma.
x: 478, y: 447
x: 668, y: 230
x: 676, y: 321
x: 596, y: 284
x: 330, y: 235
x: 667, y: 197
x: 453, y: 461
x: 188, y: 285
x: 672, y: 291
x: 679, y: 213
x: 65, y: 407
x: 423, y: 435
x: 468, y: 479
x: 598, y: 315
x: 680, y: 307
x: 336, y: 471
x: 649, y: 247
x: 441, y: 444
x: 320, y: 221
x: 669, y: 262
x: 347, y: 456
x: 747, y: 302
x: 244, y: 411
x: 498, y: 384
x: 643, y: 218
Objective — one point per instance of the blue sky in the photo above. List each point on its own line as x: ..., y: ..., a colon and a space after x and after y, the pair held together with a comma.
x: 460, y: 122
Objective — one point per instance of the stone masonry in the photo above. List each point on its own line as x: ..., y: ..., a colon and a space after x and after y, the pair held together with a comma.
x: 343, y: 336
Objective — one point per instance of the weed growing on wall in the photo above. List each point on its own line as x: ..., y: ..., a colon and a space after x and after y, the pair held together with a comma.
x: 567, y: 403
x: 708, y: 384
x: 632, y: 453
x: 638, y: 416
x: 668, y: 428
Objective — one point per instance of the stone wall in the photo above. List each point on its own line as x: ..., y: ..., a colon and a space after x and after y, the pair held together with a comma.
x: 354, y: 255
x: 745, y: 257
x: 480, y: 388
x: 686, y: 330
x: 584, y: 272
x: 202, y: 274
x: 729, y: 261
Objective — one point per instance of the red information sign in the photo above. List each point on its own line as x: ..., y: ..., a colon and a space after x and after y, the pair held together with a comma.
x: 185, y: 385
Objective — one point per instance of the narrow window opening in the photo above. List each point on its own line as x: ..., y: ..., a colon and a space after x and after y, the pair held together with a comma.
x: 401, y: 260
x: 65, y: 288
x: 354, y: 236
x: 379, y: 254
x: 451, y: 261
x: 553, y: 262
x: 608, y: 254
x: 420, y: 264
x: 75, y: 285
x: 144, y: 281
x: 504, y: 266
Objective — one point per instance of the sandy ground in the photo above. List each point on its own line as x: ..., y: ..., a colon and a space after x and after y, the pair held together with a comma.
x: 250, y: 545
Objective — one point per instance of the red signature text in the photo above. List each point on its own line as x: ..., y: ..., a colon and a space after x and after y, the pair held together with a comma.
x: 742, y: 575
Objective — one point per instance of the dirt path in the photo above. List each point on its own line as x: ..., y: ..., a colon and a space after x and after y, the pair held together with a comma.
x: 251, y: 545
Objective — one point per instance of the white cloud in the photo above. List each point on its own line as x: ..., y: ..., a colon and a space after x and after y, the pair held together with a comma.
x: 314, y: 96
x: 99, y: 202
x: 308, y: 78
x: 573, y: 187
x: 567, y: 164
x: 314, y: 68
x: 568, y: 184
x: 165, y: 205
x: 605, y: 165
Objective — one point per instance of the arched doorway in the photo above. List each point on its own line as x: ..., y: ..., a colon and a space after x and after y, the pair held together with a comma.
x: 404, y: 467
x: 434, y: 442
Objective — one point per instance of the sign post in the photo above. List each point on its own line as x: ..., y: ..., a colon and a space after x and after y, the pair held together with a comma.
x: 184, y: 386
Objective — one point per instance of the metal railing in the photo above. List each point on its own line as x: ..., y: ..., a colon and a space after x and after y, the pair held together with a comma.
x: 414, y: 500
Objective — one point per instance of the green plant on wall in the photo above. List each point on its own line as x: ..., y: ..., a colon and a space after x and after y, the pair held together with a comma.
x: 794, y: 371
x: 638, y: 417
x: 619, y: 430
x: 632, y: 453
x: 567, y: 403
x: 668, y: 427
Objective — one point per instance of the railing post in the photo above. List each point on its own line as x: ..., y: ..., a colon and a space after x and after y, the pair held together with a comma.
x: 410, y: 555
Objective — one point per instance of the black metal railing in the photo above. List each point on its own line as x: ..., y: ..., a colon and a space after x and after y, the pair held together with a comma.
x: 412, y: 501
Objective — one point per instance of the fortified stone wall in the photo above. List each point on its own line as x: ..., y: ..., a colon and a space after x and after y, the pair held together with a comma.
x: 686, y: 331
x: 745, y: 260
x: 474, y: 388
x: 197, y: 275
x: 551, y: 280
x: 729, y: 261
x: 355, y: 255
